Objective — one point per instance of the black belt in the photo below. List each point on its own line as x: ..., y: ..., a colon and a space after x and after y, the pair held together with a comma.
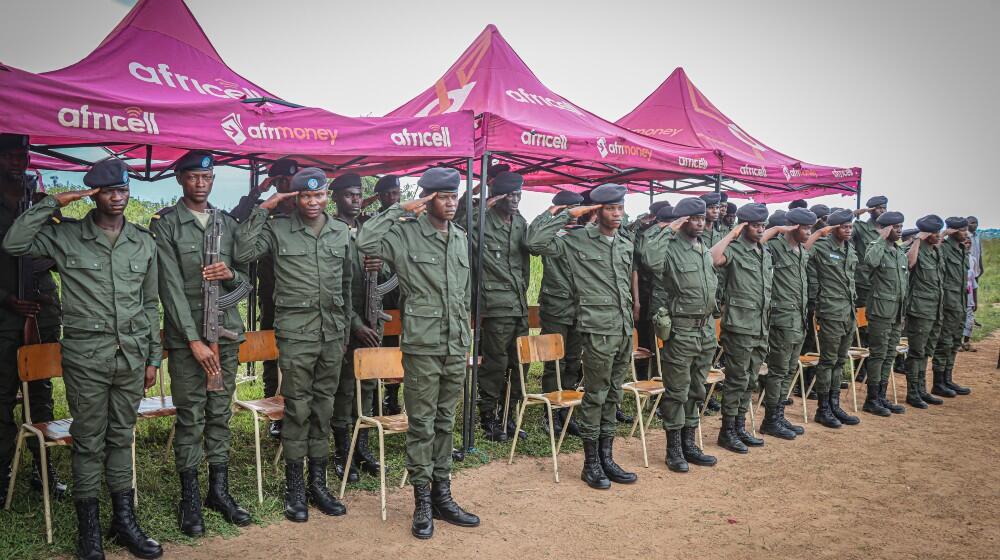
x: 690, y: 322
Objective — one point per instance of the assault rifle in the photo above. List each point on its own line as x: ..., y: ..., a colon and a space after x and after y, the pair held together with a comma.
x: 373, y: 298
x: 213, y: 305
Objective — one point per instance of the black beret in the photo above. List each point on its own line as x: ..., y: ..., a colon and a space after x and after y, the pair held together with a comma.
x: 876, y: 201
x: 10, y: 142
x: 108, y: 173
x: 800, y: 217
x: 440, y: 179
x: 309, y: 179
x: 496, y: 169
x: 840, y: 217
x: 730, y: 208
x: 956, y: 222
x: 346, y: 181
x: 194, y: 161
x: 723, y: 197
x: 907, y: 233
x: 751, y: 213
x: 890, y: 219
x: 691, y: 206
x: 586, y: 196
x: 655, y: 207
x: 567, y: 198
x: 386, y: 182
x: 711, y: 199
x: 930, y: 224
x: 797, y: 203
x: 665, y: 213
x: 821, y: 210
x: 284, y: 167
x: 608, y: 193
x: 777, y: 219
x: 505, y: 183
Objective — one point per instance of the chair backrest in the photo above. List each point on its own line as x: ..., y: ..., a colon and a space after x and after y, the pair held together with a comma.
x: 39, y: 361
x: 393, y: 327
x: 540, y: 348
x: 534, y: 317
x: 378, y: 363
x: 259, y: 346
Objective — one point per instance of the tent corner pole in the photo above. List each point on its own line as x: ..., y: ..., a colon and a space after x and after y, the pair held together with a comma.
x: 468, y: 398
x: 859, y: 195
x: 477, y: 292
x: 718, y: 183
x: 252, y: 298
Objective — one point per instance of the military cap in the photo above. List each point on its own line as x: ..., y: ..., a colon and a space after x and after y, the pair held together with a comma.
x: 930, y: 224
x: 506, y: 183
x: 779, y: 218
x: 840, y: 217
x: 956, y: 222
x: 567, y: 198
x: 691, y: 206
x: 10, y: 141
x: 108, y: 173
x: 655, y: 207
x: 751, y: 213
x: 876, y: 201
x: 496, y: 169
x: 608, y: 193
x: 908, y: 233
x: 284, y: 167
x: 821, y: 210
x: 194, y: 161
x: 386, y: 182
x: 309, y: 179
x: 723, y: 197
x: 730, y: 208
x: 345, y: 181
x: 972, y: 218
x: 586, y: 196
x: 890, y: 219
x: 440, y: 179
x: 800, y: 217
x: 797, y: 203
x: 665, y: 213
x: 711, y: 199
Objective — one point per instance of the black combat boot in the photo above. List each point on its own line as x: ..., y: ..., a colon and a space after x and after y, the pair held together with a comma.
x: 612, y: 470
x: 745, y: 436
x: 728, y: 438
x: 319, y: 494
x: 824, y: 415
x: 558, y: 420
x: 423, y: 516
x: 621, y: 417
x: 364, y: 461
x: 841, y: 415
x: 913, y: 395
x: 948, y: 382
x: 295, y: 493
x: 862, y: 374
x: 886, y: 403
x: 189, y: 518
x: 592, y: 473
x: 443, y: 506
x: 922, y: 387
x: 57, y: 488
x: 572, y: 428
x: 219, y: 498
x: 88, y: 522
x: 873, y: 404
x: 798, y: 430
x: 491, y: 426
x: 772, y: 426
x: 125, y: 528
x: 342, y: 446
x: 899, y: 364
x: 274, y: 429
x: 390, y: 404
x: 675, y: 452
x: 512, y: 423
x: 693, y: 453
x: 940, y: 388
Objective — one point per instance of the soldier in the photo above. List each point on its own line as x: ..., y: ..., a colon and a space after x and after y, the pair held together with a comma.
x: 111, y: 342
x: 798, y: 203
x: 430, y: 255
x: 722, y: 224
x: 312, y: 301
x: 687, y: 281
x: 886, y: 263
x: 862, y: 235
x: 279, y: 175
x: 831, y: 296
x: 388, y: 192
x: 202, y: 415
x: 746, y: 267
x: 600, y: 264
x: 975, y: 271
x: 346, y: 191
x: 729, y: 220
x: 643, y: 288
x: 789, y: 246
x: 924, y: 308
x: 777, y: 219
x: 43, y: 305
x: 954, y: 276
x: 558, y: 316
x: 712, y: 234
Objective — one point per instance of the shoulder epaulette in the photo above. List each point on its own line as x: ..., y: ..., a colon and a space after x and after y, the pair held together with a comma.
x: 162, y: 212
x: 276, y: 216
x: 62, y: 220
x: 408, y: 219
x: 142, y: 228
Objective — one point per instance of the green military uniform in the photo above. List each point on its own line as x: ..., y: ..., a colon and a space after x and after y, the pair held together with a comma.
x: 111, y: 332
x: 601, y: 272
x: 862, y: 235
x: 786, y: 332
x: 954, y: 268
x: 888, y: 276
x: 646, y: 287
x: 312, y: 299
x: 202, y: 415
x: 557, y: 312
x: 434, y: 278
x: 923, y: 316
x: 831, y: 294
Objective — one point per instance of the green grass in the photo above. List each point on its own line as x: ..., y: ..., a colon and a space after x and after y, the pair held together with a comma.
x: 988, y: 313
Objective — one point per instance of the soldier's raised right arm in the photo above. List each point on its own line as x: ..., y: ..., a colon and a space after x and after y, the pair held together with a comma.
x: 375, y: 240
x: 252, y: 241
x: 873, y: 256
x: 31, y: 233
x: 542, y: 233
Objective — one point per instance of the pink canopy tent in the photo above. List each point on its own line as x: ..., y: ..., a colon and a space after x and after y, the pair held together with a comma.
x: 540, y: 133
x: 678, y: 111
x: 156, y: 87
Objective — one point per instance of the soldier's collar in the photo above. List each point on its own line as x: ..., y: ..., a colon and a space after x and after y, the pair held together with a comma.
x: 426, y: 228
x: 186, y: 214
x: 90, y: 231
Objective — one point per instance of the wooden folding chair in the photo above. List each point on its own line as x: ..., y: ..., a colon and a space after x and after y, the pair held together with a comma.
x: 644, y: 390
x: 376, y: 363
x: 261, y: 346
x: 160, y: 405
x: 393, y: 327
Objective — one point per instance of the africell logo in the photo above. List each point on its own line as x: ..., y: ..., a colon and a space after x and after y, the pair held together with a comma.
x: 455, y: 97
x: 437, y: 137
x: 617, y: 148
x: 161, y: 75
x: 841, y: 173
x: 753, y: 171
x: 532, y: 138
x: 232, y: 125
x: 133, y: 119
x: 693, y: 163
x: 522, y: 96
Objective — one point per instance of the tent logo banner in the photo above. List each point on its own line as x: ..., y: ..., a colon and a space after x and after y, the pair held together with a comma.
x: 841, y: 173
x: 132, y: 119
x: 450, y: 102
x: 693, y: 163
x: 232, y: 125
x: 437, y: 137
x: 162, y: 76
x: 538, y: 139
x: 522, y: 96
x: 667, y: 132
x: 753, y: 171
x: 793, y: 172
x: 617, y: 148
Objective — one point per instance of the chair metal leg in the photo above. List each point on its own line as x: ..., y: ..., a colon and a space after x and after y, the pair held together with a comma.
x: 642, y: 430
x: 381, y: 461
x: 753, y: 418
x: 520, y: 416
x: 552, y: 438
x: 652, y: 412
x: 801, y: 378
x: 701, y: 413
x: 170, y: 440
x: 135, y: 475
x: 277, y: 457
x: 562, y: 435
x: 13, y: 473
x: 892, y: 381
x: 350, y: 457
x: 45, y: 487
x: 406, y: 473
x: 256, y: 442
x: 637, y: 419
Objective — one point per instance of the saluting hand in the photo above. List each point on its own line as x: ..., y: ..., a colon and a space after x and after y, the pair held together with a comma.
x: 205, y: 357
x: 275, y: 199
x: 923, y: 235
x: 492, y: 201
x: 265, y: 185
x: 861, y: 211
x: 826, y: 231
x: 948, y: 232
x: 417, y: 205
x: 64, y: 198
x: 884, y: 232
x: 677, y: 224
x: 738, y: 229
x: 217, y: 271
x: 578, y: 211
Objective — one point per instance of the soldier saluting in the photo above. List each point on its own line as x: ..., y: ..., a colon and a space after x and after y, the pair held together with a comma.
x: 111, y: 342
x: 924, y: 306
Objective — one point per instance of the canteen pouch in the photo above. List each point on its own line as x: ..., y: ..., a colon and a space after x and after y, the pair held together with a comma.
x: 661, y: 324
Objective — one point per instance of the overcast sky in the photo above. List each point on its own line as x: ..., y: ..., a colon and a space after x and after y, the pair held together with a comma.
x: 904, y: 89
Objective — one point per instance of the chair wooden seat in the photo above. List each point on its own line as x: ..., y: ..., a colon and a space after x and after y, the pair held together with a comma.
x: 763, y: 370
x: 856, y: 352
x: 715, y: 375
x: 808, y: 360
x: 641, y: 353
x: 648, y: 386
x: 272, y: 407
x: 155, y: 407
x: 561, y: 398
x: 902, y: 348
x: 56, y: 430
x: 393, y: 423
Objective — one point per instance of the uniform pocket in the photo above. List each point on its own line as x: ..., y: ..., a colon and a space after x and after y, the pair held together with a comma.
x: 422, y: 324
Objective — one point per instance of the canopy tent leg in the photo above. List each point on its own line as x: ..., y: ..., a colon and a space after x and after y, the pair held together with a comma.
x: 252, y: 298
x: 718, y: 183
x: 650, y: 193
x: 468, y: 397
x: 476, y: 294
x: 859, y: 196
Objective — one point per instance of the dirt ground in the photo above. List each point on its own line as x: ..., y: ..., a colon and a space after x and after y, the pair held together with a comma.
x: 925, y: 484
